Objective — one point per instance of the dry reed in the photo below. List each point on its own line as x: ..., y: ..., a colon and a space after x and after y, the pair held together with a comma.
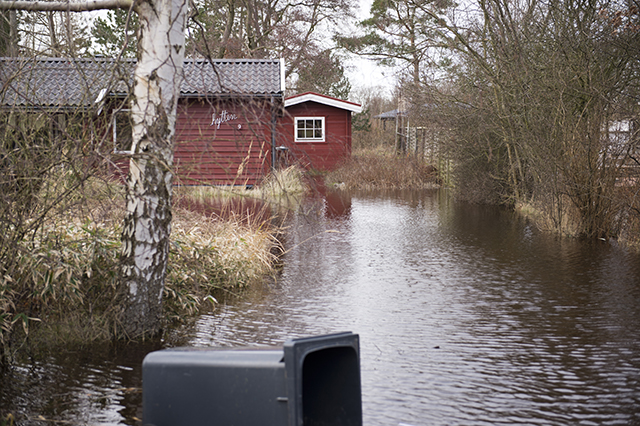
x: 383, y: 169
x: 281, y: 186
x: 64, y: 276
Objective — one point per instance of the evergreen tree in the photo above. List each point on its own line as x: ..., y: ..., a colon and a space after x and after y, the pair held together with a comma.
x: 116, y: 33
x: 324, y: 74
x: 400, y: 32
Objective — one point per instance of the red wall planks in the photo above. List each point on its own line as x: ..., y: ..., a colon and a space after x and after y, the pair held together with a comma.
x: 223, y: 142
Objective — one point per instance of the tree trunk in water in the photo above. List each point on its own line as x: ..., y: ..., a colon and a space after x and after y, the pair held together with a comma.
x: 147, y: 224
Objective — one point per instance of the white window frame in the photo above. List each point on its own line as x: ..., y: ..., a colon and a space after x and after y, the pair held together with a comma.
x: 295, y: 130
x: 115, y: 131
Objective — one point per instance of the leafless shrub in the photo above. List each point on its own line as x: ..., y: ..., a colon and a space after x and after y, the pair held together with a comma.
x: 384, y: 169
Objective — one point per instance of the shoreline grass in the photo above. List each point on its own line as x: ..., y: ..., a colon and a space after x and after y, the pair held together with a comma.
x: 382, y: 168
x: 63, y: 282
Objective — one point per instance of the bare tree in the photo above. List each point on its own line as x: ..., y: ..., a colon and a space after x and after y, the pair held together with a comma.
x: 8, y: 33
x: 298, y: 31
x: 542, y: 82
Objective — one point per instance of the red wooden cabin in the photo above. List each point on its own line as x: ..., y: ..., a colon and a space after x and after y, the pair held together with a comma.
x: 315, y: 130
x: 227, y: 113
x: 232, y: 119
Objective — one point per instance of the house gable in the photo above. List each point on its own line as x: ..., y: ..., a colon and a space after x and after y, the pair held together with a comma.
x: 304, y: 144
x: 322, y: 99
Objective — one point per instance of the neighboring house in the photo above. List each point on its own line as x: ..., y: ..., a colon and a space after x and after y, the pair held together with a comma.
x: 315, y: 130
x: 621, y: 137
x: 413, y: 134
x: 621, y: 146
x: 231, y: 124
x: 408, y: 139
x: 391, y: 117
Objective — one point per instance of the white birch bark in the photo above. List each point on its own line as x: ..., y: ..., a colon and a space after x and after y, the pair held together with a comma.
x: 147, y: 225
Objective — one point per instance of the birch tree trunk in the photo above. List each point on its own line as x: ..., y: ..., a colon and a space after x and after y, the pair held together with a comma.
x: 147, y: 224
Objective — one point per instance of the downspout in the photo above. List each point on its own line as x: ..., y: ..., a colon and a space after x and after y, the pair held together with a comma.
x: 274, y: 121
x: 275, y: 112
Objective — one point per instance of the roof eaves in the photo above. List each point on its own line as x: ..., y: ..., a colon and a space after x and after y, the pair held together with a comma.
x: 322, y: 99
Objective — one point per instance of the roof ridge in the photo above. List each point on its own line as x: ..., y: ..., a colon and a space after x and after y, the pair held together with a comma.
x: 238, y: 60
x: 76, y: 81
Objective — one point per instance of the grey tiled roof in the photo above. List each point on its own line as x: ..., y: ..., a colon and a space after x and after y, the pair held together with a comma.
x: 62, y: 82
x: 52, y: 82
x: 242, y: 76
x: 390, y: 115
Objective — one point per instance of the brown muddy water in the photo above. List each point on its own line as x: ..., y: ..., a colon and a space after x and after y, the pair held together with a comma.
x: 467, y: 315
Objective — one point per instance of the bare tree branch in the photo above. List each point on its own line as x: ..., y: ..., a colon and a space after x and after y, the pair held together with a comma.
x: 59, y: 6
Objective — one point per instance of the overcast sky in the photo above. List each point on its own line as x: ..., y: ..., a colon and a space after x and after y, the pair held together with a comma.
x: 363, y: 73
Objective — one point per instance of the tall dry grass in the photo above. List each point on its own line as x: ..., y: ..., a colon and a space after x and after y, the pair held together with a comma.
x: 566, y: 221
x: 630, y: 216
x: 209, y: 254
x: 382, y: 168
x: 63, y: 282
x: 280, y: 186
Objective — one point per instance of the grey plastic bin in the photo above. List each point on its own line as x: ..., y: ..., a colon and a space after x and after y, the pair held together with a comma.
x: 312, y: 381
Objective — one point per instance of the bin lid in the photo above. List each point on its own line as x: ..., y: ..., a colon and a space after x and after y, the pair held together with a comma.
x: 250, y: 356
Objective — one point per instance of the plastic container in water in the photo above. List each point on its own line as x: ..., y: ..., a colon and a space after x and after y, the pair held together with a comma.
x: 313, y: 381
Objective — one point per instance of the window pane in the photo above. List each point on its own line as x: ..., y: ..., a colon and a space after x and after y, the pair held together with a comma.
x: 309, y: 129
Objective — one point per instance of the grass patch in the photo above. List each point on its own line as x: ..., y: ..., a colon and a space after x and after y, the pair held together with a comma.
x: 274, y: 188
x: 61, y: 282
x: 207, y: 255
x: 562, y: 224
x: 383, y: 169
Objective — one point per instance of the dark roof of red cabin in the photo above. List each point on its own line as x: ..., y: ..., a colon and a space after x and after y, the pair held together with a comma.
x: 78, y: 82
x: 232, y: 76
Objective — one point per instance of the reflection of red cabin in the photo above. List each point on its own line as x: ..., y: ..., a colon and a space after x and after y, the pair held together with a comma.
x: 316, y: 130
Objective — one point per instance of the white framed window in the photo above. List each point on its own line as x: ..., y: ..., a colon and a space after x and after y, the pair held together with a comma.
x: 309, y: 129
x: 121, y: 126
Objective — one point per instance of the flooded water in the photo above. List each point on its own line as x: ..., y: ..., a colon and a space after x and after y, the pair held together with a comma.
x: 467, y: 315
